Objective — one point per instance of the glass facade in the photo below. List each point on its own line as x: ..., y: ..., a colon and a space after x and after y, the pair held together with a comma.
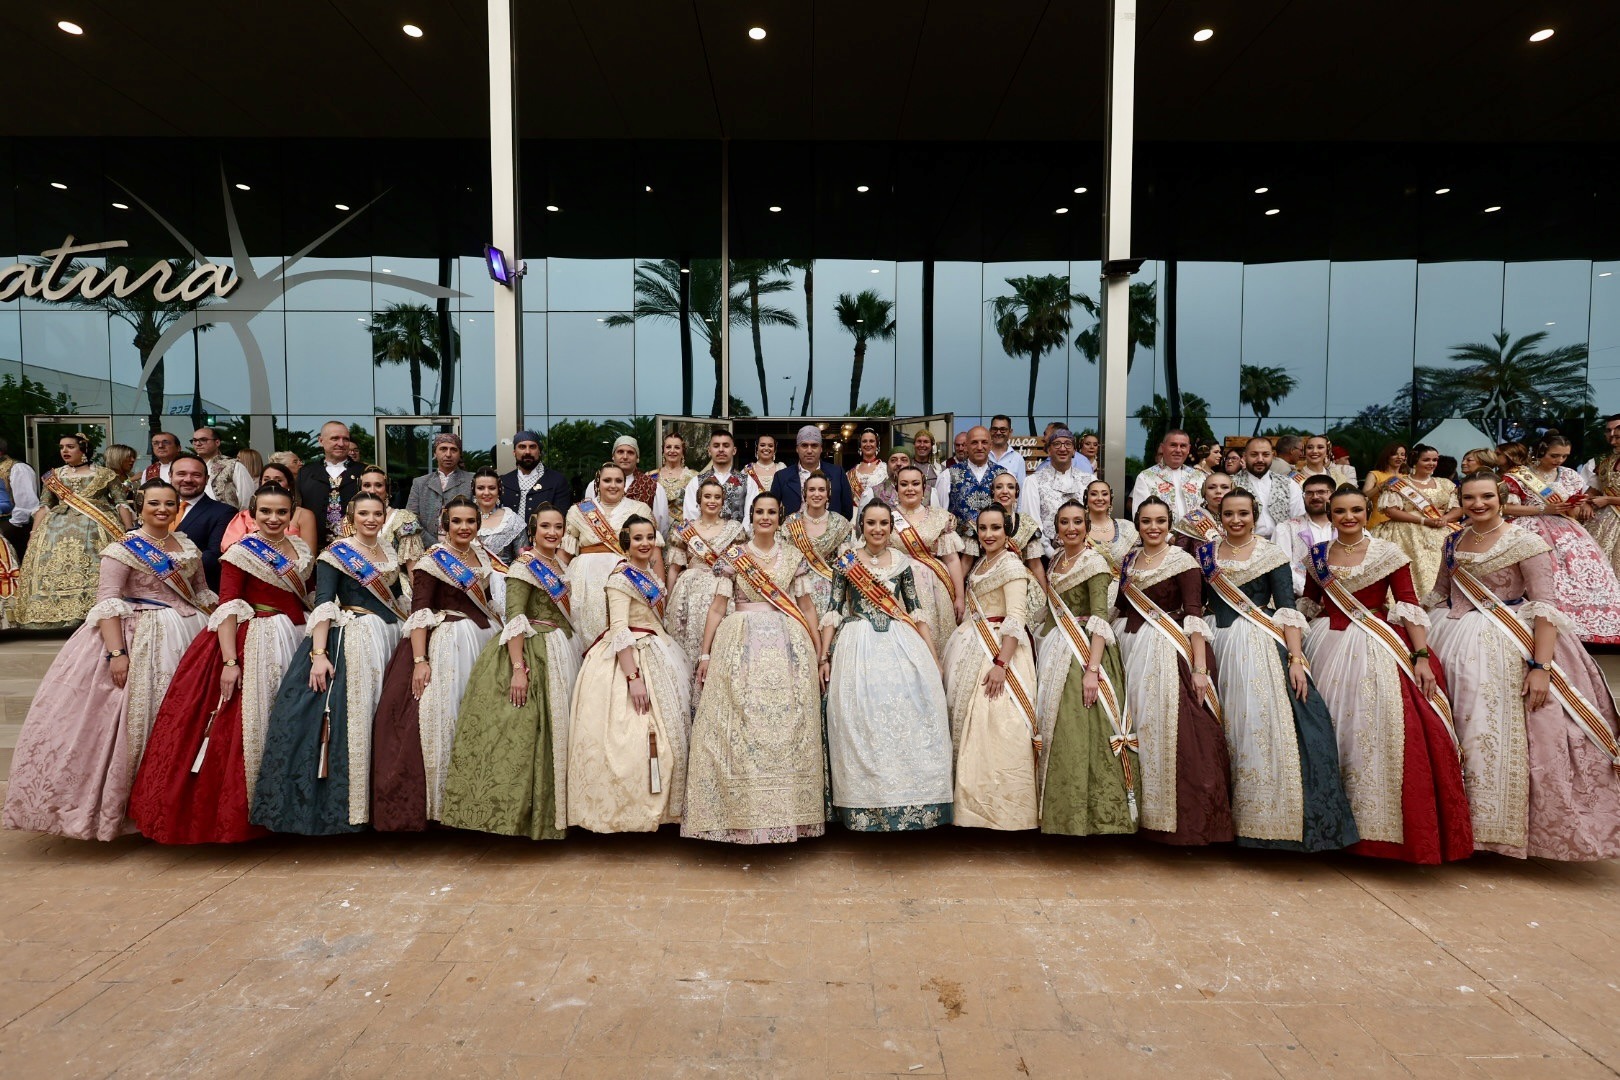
x: 1311, y: 325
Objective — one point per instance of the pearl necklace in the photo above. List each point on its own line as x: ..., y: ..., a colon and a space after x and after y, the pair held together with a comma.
x: 1351, y: 547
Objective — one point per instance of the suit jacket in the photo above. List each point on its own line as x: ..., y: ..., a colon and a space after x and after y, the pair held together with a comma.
x: 785, y: 486
x: 553, y: 488
x: 428, y: 499
x: 205, y: 523
x: 313, y: 489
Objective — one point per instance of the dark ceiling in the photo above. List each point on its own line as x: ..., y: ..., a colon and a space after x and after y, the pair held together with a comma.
x: 926, y: 70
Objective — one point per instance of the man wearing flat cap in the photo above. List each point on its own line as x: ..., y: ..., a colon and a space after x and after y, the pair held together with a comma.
x: 531, y: 483
x: 447, y: 480
x: 789, y: 482
x: 1055, y: 482
x: 640, y: 486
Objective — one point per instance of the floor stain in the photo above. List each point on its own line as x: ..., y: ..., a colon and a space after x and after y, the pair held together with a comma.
x: 950, y: 995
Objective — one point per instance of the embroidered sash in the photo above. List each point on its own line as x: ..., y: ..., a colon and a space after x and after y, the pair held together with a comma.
x: 1015, y: 685
x: 1113, y: 703
x: 919, y: 552
x: 1501, y: 616
x: 807, y: 547
x: 695, y: 544
x: 283, y: 567
x: 1164, y: 624
x: 162, y: 567
x: 1236, y: 598
x: 1198, y: 524
x: 645, y: 584
x: 362, y: 570
x: 462, y: 577
x: 60, y: 489
x: 606, y: 534
x: 552, y: 582
x: 1403, y: 486
x: 1104, y: 548
x: 1299, y: 476
x: 762, y: 582
x: 1533, y: 486
x: 861, y: 578
x: 1380, y: 631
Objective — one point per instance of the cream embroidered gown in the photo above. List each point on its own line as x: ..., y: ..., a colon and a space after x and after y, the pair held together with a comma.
x: 937, y: 530
x: 589, y: 564
x: 693, y: 592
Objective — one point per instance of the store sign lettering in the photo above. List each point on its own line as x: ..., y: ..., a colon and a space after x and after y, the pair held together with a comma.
x: 92, y: 282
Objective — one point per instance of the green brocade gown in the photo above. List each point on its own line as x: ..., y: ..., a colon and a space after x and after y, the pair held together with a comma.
x: 504, y: 768
x: 1083, y: 791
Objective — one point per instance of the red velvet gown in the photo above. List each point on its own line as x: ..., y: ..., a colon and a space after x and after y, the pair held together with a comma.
x: 169, y: 803
x: 1435, y: 822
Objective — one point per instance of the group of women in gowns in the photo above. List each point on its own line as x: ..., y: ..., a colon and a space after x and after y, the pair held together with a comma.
x: 81, y: 508
x: 769, y: 680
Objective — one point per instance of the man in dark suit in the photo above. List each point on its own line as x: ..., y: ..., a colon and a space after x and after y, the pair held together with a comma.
x: 318, y: 480
x: 789, y: 482
x: 201, y: 518
x: 531, y: 483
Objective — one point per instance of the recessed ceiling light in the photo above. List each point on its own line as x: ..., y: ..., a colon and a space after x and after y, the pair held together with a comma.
x: 75, y: 29
x: 757, y: 33
x: 1492, y: 209
x: 1261, y: 190
x: 1539, y: 35
x: 1273, y: 212
x: 776, y: 209
x: 243, y: 187
x: 601, y: 320
x: 1606, y: 273
x: 386, y: 270
x: 684, y: 270
x: 1079, y: 191
x: 1442, y: 191
x: 1204, y: 35
x: 341, y: 206
x: 1550, y: 324
x: 58, y: 185
x: 120, y: 206
x: 875, y: 270
x: 862, y: 188
x: 412, y: 30
x: 647, y: 187
x: 1061, y: 210
x: 552, y: 208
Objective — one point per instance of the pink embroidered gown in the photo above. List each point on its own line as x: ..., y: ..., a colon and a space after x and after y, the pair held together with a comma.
x: 1583, y: 580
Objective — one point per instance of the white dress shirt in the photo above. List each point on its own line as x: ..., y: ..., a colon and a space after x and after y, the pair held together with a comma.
x: 1013, y: 461
x: 689, y: 503
x: 1295, y: 538
x: 24, y: 485
x: 1261, y: 486
x: 1049, y: 489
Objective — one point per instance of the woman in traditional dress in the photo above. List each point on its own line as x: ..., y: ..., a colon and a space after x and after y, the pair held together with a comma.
x: 1169, y: 659
x: 509, y: 767
x: 694, y: 549
x: 315, y: 775
x: 1419, y: 513
x: 928, y: 537
x: 85, y: 732
x: 1390, y: 463
x: 1533, y: 712
x: 673, y: 476
x: 819, y: 534
x: 756, y: 772
x: 121, y: 460
x: 1397, y: 750
x: 402, y: 532
x: 1287, y: 791
x: 888, y: 727
x: 990, y: 688
x: 867, y: 473
x: 196, y: 780
x: 1088, y: 768
x: 1112, y: 537
x: 627, y: 737
x: 764, y: 467
x: 1549, y: 499
x: 1202, y: 524
x: 591, y: 548
x: 1603, y: 496
x: 500, y: 529
x: 458, y: 595
x: 1024, y: 530
x: 77, y: 518
x: 303, y: 522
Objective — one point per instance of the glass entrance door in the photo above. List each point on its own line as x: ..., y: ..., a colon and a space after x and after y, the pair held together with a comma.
x: 940, y: 425
x: 405, y: 449
x: 44, y: 431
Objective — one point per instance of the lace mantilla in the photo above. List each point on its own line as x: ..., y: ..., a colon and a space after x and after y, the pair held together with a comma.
x: 1176, y: 563
x: 1087, y: 566
x: 1265, y: 558
x: 1383, y: 558
x: 253, y: 566
x: 1514, y: 546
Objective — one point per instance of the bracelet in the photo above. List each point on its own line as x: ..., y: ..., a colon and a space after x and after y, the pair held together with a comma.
x: 1420, y: 654
x: 1200, y: 671
x: 703, y: 658
x: 1299, y: 658
x: 317, y: 652
x: 999, y: 662
x: 420, y: 660
x: 633, y: 676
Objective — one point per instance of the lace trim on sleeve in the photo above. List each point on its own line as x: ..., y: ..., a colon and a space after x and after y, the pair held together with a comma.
x: 1192, y: 624
x: 1531, y: 610
x: 1012, y: 626
x: 327, y: 612
x: 622, y: 639
x: 1289, y: 617
x: 517, y: 626
x: 724, y: 583
x: 111, y: 608
x: 239, y: 608
x: 425, y: 619
x: 570, y: 545
x: 1097, y: 626
x: 1436, y: 599
x: 949, y: 543
x: 830, y: 620
x: 1309, y: 608
x: 1410, y: 614
x: 207, y: 598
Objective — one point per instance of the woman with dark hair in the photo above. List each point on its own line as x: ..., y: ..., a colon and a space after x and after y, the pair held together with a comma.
x: 1024, y: 536
x: 1549, y: 499
x: 315, y: 776
x: 1088, y: 770
x: 1369, y: 652
x: 1206, y: 456
x: 458, y: 604
x: 1534, y: 714
x: 695, y: 548
x: 86, y: 730
x: 1419, y: 510
x: 1286, y: 788
x: 509, y: 765
x: 866, y: 474
x: 1169, y: 660
x: 401, y: 530
x: 888, y: 727
x: 78, y: 517
x: 819, y: 534
x: 500, y: 529
x: 1390, y: 463
x: 990, y: 687
x: 1111, y: 537
x: 626, y: 749
x: 303, y: 522
x: 591, y: 549
x: 757, y: 772
x: 196, y: 781
x: 1232, y: 461
x: 928, y: 537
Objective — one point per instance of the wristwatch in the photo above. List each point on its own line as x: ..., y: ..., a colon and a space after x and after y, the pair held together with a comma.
x: 1536, y: 665
x: 231, y: 662
x: 116, y: 652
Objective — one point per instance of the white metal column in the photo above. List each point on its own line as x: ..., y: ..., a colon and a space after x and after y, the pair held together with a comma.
x: 1118, y: 137
x: 503, y: 175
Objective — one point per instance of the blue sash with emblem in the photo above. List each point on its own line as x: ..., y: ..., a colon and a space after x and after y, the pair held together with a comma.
x: 366, y: 573
x: 647, y: 585
x: 163, y: 568
x: 462, y: 577
x: 284, y: 568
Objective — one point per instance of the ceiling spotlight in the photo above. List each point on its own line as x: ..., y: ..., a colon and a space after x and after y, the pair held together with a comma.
x: 875, y: 270
x: 551, y: 208
x: 601, y: 320
x: 76, y: 30
x: 1607, y: 273
x: 1273, y: 212
x: 1204, y: 35
x: 862, y: 188
x: 1261, y: 190
x: 243, y: 187
x: 58, y: 185
x: 1492, y: 209
x: 386, y: 270
x: 412, y: 30
x: 647, y: 188
x: 341, y: 206
x: 684, y: 270
x: 1442, y: 191
x: 757, y: 33
x: 1539, y: 35
x: 1061, y: 210
x: 1079, y: 191
x: 120, y: 206
x: 1550, y: 324
x: 775, y: 209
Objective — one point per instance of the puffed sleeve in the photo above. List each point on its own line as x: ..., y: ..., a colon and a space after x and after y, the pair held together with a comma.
x: 1404, y: 608
x: 840, y: 596
x: 1015, y: 595
x: 675, y: 550
x: 1390, y: 500
x: 408, y: 543
x: 1541, y: 595
x: 618, y: 611
x: 950, y: 541
x: 110, y: 602
x: 802, y: 583
x: 327, y: 608
x: 1441, y: 594
x: 1285, y: 612
x: 574, y: 529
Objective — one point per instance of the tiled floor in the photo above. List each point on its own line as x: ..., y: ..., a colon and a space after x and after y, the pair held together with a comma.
x: 958, y: 953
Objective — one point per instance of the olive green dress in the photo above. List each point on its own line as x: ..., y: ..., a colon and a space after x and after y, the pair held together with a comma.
x: 508, y: 768
x: 1083, y: 789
